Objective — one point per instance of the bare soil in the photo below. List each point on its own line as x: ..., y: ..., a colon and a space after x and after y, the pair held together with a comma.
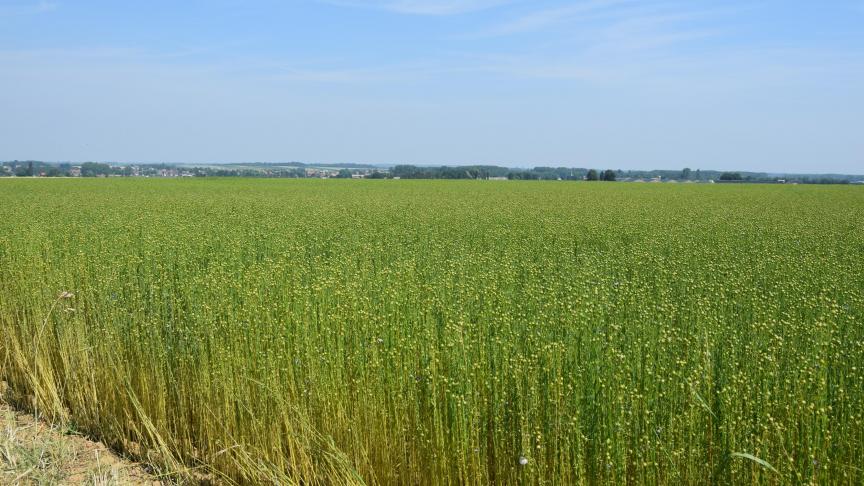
x: 35, y: 453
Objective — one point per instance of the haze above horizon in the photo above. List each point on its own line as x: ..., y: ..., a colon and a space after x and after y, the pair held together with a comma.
x: 653, y: 84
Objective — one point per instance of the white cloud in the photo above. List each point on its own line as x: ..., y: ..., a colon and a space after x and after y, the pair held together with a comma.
x: 422, y: 7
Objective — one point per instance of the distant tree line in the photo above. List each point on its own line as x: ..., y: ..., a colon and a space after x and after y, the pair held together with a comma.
x: 606, y: 175
x: 731, y: 176
x: 32, y: 168
x: 445, y: 172
x: 285, y: 173
x: 490, y: 172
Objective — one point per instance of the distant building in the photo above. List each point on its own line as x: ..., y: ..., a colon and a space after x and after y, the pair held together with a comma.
x: 75, y: 171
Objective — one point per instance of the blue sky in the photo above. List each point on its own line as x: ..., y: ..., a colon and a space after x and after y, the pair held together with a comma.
x: 762, y: 85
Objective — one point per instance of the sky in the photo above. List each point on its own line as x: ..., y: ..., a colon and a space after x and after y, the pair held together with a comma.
x: 763, y: 85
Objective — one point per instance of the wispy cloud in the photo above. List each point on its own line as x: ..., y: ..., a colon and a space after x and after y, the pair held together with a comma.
x: 422, y: 7
x: 340, y: 76
x: 602, y: 39
x: 654, y: 31
x: 544, y: 18
x: 15, y: 10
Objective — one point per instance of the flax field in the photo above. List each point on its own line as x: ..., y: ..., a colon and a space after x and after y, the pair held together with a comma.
x: 247, y: 331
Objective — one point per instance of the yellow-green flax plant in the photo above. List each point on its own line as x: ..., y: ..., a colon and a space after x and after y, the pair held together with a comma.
x: 442, y: 332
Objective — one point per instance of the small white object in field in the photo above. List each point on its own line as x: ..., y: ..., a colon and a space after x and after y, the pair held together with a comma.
x: 523, y: 460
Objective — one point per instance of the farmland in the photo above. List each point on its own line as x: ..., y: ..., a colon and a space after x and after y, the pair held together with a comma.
x: 442, y: 332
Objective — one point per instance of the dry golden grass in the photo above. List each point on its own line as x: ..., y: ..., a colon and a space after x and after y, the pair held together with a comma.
x: 33, y: 452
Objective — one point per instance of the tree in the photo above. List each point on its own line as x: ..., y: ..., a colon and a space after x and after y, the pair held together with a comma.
x: 608, y: 175
x: 685, y: 174
x: 591, y: 175
x: 731, y: 176
x: 343, y: 174
x: 93, y: 169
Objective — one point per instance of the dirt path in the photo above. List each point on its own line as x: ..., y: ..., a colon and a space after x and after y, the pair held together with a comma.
x: 33, y: 453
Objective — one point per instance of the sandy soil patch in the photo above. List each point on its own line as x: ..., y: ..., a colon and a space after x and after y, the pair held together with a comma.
x: 34, y: 453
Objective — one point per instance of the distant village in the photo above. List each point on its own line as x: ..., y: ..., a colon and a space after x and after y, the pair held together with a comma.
x: 33, y: 168
x: 94, y: 169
